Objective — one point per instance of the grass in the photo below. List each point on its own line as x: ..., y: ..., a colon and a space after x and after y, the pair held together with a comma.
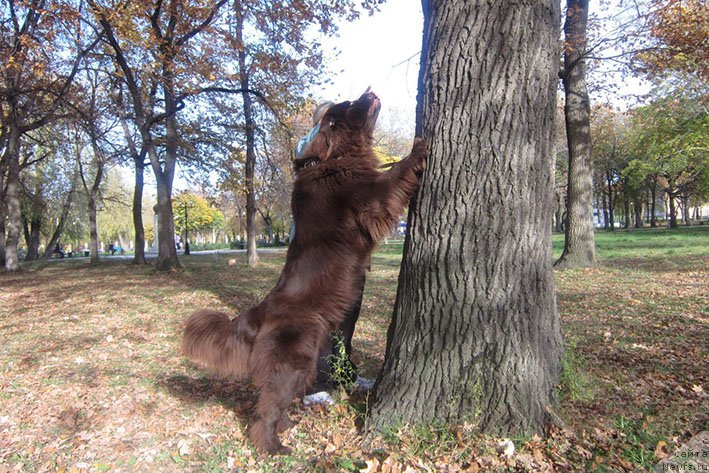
x: 91, y: 377
x: 645, y: 243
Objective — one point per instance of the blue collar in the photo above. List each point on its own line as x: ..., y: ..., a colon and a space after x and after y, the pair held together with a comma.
x: 303, y: 142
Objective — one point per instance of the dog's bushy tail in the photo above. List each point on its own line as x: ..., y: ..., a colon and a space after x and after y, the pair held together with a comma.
x: 212, y: 339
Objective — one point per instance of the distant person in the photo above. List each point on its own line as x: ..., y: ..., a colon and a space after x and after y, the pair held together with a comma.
x: 58, y: 250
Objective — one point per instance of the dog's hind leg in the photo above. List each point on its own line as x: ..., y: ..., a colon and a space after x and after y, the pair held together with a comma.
x: 277, y: 391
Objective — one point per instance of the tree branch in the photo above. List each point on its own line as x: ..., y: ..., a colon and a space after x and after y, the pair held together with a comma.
x: 189, y: 35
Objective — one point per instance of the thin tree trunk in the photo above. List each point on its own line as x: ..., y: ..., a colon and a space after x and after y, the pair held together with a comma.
x: 250, y: 165
x: 611, y: 202
x: 139, y: 255
x: 92, y: 193
x: 139, y: 184
x: 93, y: 230
x: 33, y: 220
x: 579, y: 241
x: 32, y: 229
x: 2, y: 236
x: 12, y: 199
x: 4, y: 158
x: 475, y: 334
x: 66, y: 207
x: 560, y: 206
x: 685, y: 209
x: 653, y: 208
x: 673, y: 208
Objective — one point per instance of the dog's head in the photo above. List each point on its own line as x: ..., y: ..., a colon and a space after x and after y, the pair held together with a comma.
x: 345, y: 128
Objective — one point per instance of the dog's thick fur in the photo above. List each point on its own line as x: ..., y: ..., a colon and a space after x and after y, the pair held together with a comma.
x: 342, y: 206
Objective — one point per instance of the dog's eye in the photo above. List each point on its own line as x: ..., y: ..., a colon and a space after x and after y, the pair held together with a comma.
x: 332, y: 123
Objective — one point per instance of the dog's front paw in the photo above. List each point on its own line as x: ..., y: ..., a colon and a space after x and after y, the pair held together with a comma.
x: 419, y: 155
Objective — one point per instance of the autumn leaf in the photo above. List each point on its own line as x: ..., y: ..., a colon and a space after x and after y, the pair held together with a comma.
x: 661, y: 450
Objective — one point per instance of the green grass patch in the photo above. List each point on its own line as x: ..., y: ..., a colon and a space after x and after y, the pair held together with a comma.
x: 646, y: 243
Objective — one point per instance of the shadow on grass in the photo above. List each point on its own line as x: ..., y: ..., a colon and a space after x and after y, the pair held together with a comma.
x: 238, y: 397
x: 658, y: 264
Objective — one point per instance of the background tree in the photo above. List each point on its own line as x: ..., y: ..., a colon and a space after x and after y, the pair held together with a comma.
x: 155, y: 49
x: 579, y: 240
x: 275, y: 68
x: 606, y: 125
x: 114, y: 219
x: 42, y: 44
x: 137, y: 153
x: 475, y: 333
x: 94, y: 125
x: 672, y: 134
x: 678, y: 38
x: 201, y: 215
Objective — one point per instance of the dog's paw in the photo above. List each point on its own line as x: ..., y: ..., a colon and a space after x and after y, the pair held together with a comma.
x: 284, y: 423
x: 420, y: 148
x: 419, y: 155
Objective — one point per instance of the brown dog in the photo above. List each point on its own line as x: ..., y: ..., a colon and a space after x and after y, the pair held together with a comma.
x: 342, y: 205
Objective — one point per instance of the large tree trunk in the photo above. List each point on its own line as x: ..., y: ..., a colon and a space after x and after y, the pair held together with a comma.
x: 475, y: 334
x: 164, y: 175
x: 579, y: 241
x: 167, y: 253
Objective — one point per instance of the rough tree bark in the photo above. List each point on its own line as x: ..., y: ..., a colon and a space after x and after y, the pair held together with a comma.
x: 475, y: 334
x: 579, y: 242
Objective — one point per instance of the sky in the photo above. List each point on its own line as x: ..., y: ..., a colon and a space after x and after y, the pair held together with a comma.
x: 381, y: 51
